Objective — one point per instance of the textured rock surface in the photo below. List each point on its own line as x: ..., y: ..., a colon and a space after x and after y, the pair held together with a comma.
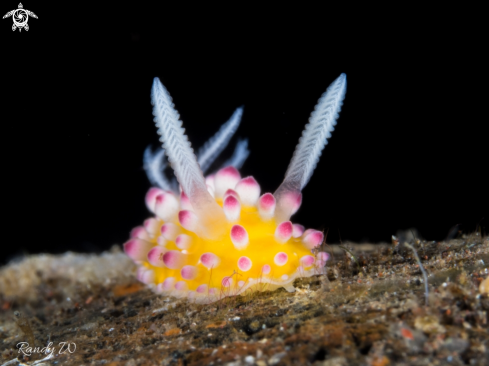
x: 369, y: 310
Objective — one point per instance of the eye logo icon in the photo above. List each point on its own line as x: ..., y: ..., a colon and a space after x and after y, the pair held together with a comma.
x: 20, y: 17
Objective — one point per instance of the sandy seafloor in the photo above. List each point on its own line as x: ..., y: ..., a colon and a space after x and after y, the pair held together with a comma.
x: 370, y: 309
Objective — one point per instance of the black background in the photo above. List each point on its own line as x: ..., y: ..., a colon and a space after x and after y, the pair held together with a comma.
x: 409, y: 150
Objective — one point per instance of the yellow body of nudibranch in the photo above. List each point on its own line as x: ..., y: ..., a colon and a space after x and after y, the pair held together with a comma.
x: 254, y: 253
x: 220, y: 237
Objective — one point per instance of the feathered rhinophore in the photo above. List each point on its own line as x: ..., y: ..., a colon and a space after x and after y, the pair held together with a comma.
x: 155, y: 163
x: 239, y: 156
x: 212, y: 148
x: 221, y: 237
x: 183, y: 160
x: 306, y: 155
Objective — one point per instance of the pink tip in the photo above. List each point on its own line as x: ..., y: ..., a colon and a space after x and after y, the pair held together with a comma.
x: 152, y: 226
x: 140, y: 232
x: 183, y: 241
x: 151, y: 198
x: 181, y: 286
x: 266, y: 205
x: 148, y: 277
x: 155, y: 256
x: 225, y: 179
x: 280, y: 259
x: 185, y: 202
x: 322, y: 258
x: 188, y: 220
x: 244, y: 264
x: 266, y: 269
x: 290, y: 202
x: 159, y: 288
x: 231, y: 192
x: 145, y: 275
x: 232, y: 208
x: 210, y: 260
x: 248, y: 190
x: 173, y: 259
x: 202, y: 289
x: 239, y: 237
x: 283, y: 231
x: 170, y: 231
x: 166, y: 206
x: 140, y: 272
x: 227, y: 282
x: 168, y: 284
x: 307, y: 260
x: 241, y: 283
x: 137, y: 249
x: 189, y: 272
x: 312, y: 238
x: 297, y: 230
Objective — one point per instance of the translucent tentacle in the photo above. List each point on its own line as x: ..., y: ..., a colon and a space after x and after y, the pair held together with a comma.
x: 154, y: 164
x: 308, y: 150
x: 184, y: 162
x: 239, y: 156
x: 212, y: 148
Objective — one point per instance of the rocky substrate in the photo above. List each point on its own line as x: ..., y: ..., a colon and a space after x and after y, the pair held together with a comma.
x: 371, y: 308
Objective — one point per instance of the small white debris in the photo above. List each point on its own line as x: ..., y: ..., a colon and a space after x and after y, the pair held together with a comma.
x: 276, y: 358
x: 259, y: 353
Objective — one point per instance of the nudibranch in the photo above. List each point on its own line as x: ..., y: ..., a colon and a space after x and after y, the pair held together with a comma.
x: 219, y: 236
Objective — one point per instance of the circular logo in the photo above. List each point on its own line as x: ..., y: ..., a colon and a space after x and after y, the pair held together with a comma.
x: 20, y: 17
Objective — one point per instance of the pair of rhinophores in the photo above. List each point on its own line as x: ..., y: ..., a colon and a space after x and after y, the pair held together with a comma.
x: 219, y: 236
